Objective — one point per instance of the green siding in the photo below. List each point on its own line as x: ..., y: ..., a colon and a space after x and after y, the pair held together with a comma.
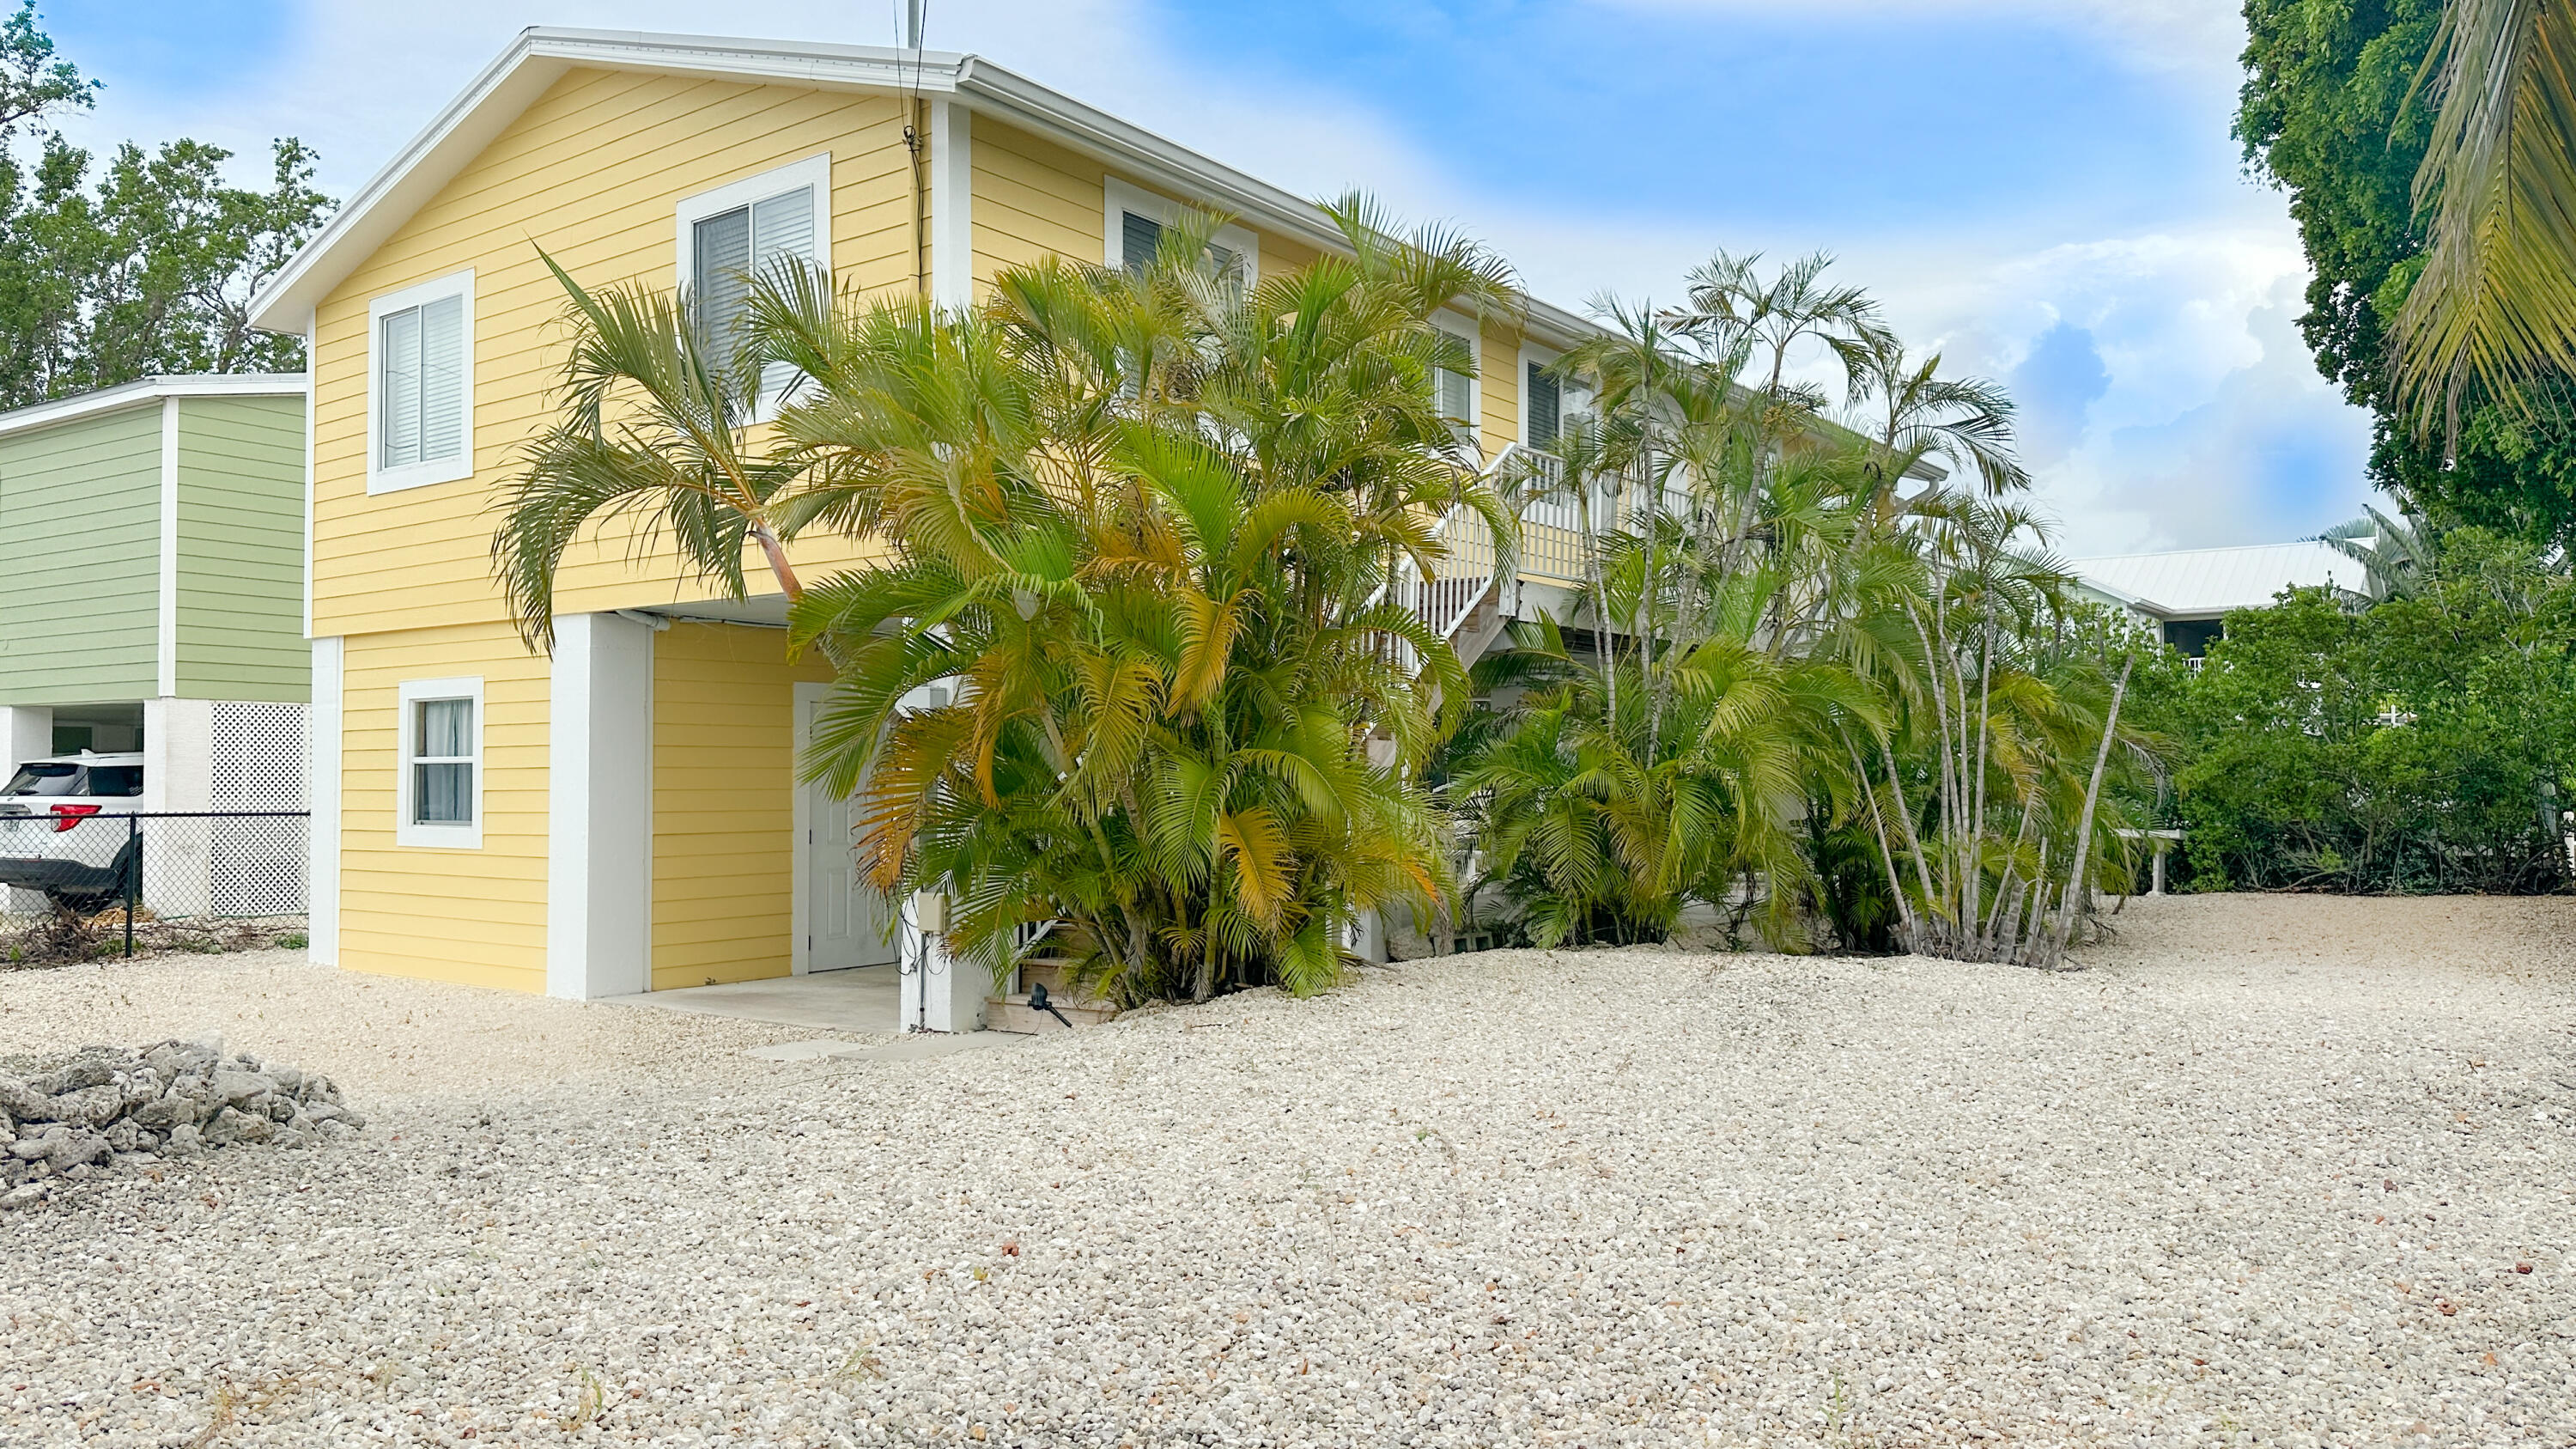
x: 241, y: 549
x: 80, y: 533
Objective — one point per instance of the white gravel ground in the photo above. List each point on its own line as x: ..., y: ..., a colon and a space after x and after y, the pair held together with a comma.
x: 2265, y: 1175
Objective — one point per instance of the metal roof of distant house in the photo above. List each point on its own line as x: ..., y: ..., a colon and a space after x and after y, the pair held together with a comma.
x: 2203, y: 583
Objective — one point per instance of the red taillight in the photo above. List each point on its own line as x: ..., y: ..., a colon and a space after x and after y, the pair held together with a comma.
x: 67, y: 816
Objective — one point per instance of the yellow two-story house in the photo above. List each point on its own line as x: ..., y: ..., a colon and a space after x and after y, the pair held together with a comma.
x: 624, y: 816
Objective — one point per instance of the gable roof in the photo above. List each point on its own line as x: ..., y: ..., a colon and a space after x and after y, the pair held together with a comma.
x: 151, y: 389
x: 541, y: 55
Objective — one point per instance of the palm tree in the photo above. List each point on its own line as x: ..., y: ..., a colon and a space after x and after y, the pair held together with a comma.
x: 655, y: 429
x: 1921, y: 416
x: 1141, y: 524
x: 2495, y: 305
x: 2397, y: 558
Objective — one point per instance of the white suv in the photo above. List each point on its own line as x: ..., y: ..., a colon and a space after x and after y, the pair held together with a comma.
x: 45, y: 822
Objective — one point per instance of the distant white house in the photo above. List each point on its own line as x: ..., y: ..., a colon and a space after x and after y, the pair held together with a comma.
x: 2188, y: 591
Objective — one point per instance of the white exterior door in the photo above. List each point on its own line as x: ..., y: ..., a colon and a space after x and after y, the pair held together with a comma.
x: 843, y: 920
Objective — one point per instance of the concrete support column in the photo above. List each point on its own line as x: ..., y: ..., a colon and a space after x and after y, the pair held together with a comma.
x: 938, y: 992
x: 599, y: 809
x: 322, y: 747
x: 178, y: 775
x: 26, y: 733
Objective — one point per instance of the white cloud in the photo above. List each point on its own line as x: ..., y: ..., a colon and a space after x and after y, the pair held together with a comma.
x: 2199, y: 39
x: 2210, y: 423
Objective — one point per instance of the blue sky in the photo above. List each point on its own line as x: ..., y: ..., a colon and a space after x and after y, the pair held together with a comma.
x: 2044, y: 190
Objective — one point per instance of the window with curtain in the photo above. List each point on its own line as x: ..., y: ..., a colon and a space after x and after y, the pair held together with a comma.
x: 443, y: 760
x: 421, y: 388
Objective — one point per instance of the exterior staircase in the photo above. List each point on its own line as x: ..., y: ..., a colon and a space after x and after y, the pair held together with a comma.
x: 1461, y: 599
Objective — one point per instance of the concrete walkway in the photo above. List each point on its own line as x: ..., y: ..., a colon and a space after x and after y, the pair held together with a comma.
x: 862, y: 1001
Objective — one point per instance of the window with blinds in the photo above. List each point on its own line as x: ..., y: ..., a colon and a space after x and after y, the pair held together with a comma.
x: 1454, y: 393
x: 1140, y: 237
x: 730, y: 248
x: 1545, y: 406
x: 421, y: 387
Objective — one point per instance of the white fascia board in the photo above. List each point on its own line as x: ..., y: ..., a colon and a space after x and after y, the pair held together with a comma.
x: 540, y: 56
x: 513, y: 81
x: 152, y: 389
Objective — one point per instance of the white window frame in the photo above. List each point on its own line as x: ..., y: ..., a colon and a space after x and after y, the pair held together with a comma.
x: 411, y: 693
x: 1465, y: 330
x: 814, y: 171
x: 381, y: 479
x: 1120, y: 197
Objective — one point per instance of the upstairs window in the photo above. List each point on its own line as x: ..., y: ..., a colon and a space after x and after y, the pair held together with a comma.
x: 731, y: 247
x: 421, y: 381
x: 1546, y: 404
x: 1140, y: 237
x: 1136, y: 219
x: 1454, y: 393
x: 735, y: 233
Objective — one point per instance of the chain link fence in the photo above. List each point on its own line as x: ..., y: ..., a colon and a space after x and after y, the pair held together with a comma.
x: 82, y: 882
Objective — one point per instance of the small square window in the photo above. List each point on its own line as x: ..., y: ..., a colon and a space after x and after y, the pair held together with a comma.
x: 442, y: 762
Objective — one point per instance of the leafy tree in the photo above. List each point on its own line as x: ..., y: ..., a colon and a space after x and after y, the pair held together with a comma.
x: 2423, y: 743
x: 2333, y: 111
x: 146, y: 265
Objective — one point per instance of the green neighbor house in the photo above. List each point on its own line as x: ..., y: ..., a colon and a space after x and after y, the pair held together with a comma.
x: 152, y: 586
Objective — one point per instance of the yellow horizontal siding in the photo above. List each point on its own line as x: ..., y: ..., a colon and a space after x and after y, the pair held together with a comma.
x: 472, y: 916
x: 592, y: 172
x: 724, y: 858
x: 1033, y: 199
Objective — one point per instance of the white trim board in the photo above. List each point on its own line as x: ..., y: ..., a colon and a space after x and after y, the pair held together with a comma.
x: 952, y: 204
x: 323, y: 723
x: 166, y: 625
x: 312, y: 338
x: 148, y: 389
x: 803, y: 696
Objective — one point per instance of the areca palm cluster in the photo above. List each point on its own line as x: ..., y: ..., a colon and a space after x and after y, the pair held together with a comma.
x: 1125, y: 680
x: 1140, y: 527
x: 1806, y: 698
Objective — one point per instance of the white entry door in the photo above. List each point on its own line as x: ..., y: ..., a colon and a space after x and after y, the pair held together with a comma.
x: 844, y: 919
